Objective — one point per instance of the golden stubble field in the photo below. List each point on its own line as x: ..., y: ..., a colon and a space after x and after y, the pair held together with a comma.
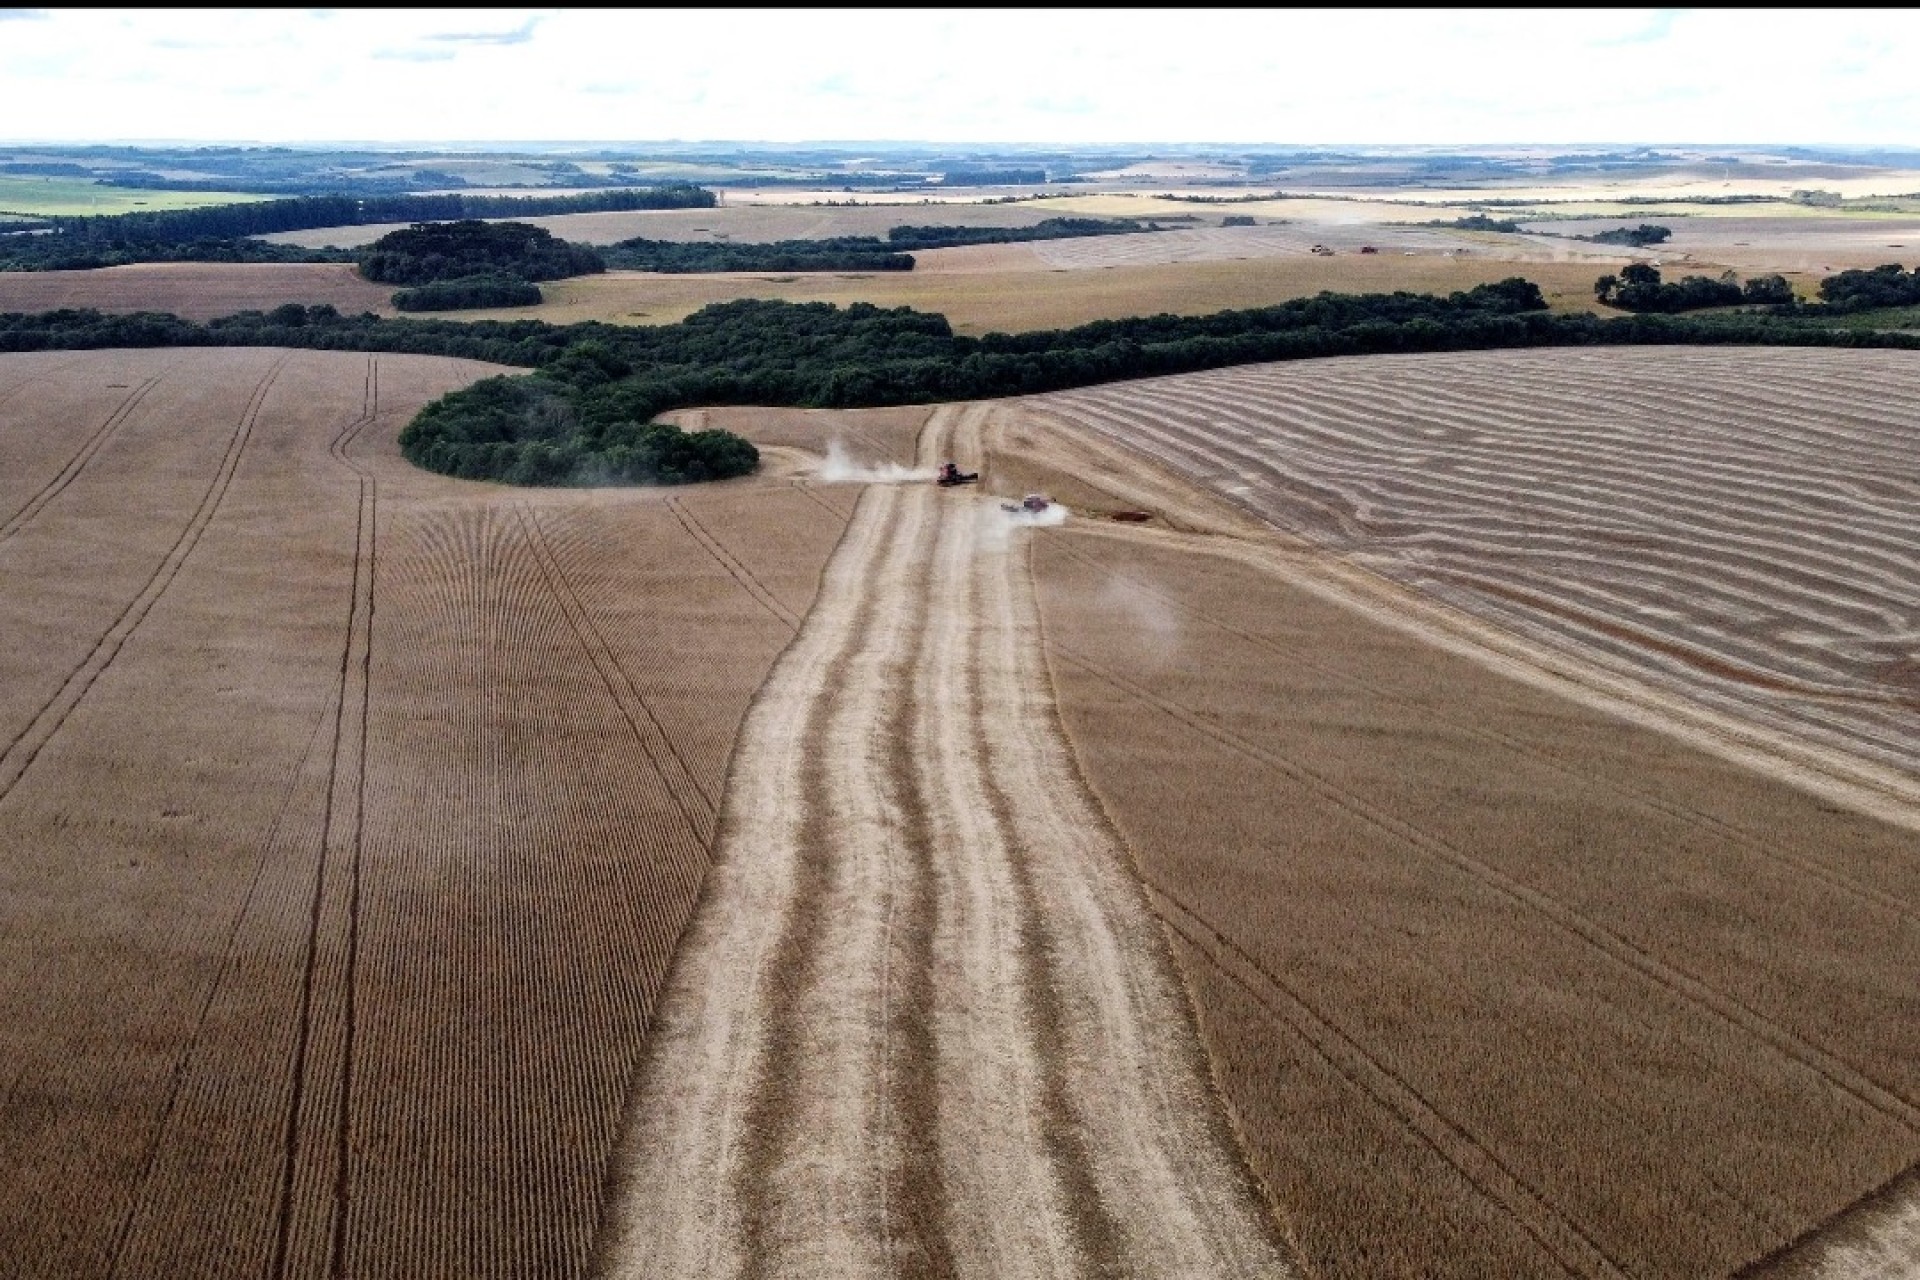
x: 195, y: 290
x: 1016, y: 291
x: 1195, y: 266
x: 1000, y: 288
x: 348, y: 815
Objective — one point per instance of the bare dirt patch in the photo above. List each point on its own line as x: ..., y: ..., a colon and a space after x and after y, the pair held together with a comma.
x: 1875, y: 1239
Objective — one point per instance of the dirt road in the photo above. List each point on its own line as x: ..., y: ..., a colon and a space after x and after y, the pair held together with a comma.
x: 923, y: 1023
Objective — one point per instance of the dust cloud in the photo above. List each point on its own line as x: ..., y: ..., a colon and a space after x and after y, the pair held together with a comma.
x: 838, y: 468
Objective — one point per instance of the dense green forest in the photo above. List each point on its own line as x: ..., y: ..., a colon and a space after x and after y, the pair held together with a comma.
x: 225, y: 233
x: 433, y: 251
x: 529, y: 431
x: 587, y: 414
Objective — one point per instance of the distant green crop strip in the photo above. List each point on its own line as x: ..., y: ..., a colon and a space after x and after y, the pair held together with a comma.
x: 49, y: 196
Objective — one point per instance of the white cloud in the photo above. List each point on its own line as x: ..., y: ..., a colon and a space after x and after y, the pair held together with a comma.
x: 1288, y: 76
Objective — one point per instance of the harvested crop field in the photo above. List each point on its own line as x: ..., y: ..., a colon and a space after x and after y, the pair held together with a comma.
x: 1496, y: 980
x: 1732, y: 525
x: 195, y: 290
x: 924, y: 1023
x: 1495, y: 985
x: 1804, y: 242
x: 1214, y: 243
x: 350, y: 818
x: 1008, y: 289
x: 348, y: 815
x: 744, y: 223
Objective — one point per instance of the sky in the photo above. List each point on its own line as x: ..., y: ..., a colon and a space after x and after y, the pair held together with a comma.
x: 1036, y: 77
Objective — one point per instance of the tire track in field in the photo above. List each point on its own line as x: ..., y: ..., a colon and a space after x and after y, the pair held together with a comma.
x: 94, y: 442
x: 1838, y: 1075
x: 812, y: 495
x: 690, y: 797
x: 177, y: 1079
x: 26, y: 745
x: 732, y: 564
x: 341, y: 840
x: 924, y: 1022
x: 369, y: 555
x: 1577, y: 1253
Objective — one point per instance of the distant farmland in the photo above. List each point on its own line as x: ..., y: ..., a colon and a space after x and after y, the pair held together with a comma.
x: 195, y: 290
x: 81, y: 197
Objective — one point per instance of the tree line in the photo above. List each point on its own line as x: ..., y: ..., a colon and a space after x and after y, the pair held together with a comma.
x: 588, y: 413
x: 843, y: 253
x: 464, y: 293
x: 680, y: 257
x: 226, y: 233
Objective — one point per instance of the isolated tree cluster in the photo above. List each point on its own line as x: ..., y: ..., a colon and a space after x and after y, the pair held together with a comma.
x: 1644, y: 236
x: 1640, y: 288
x: 1865, y: 290
x: 433, y: 251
